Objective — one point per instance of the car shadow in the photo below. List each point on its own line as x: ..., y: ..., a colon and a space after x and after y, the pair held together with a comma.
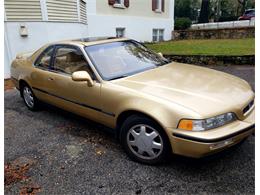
x: 85, y: 128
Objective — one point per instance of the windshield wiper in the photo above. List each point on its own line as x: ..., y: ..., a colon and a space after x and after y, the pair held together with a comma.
x: 164, y: 63
x: 119, y: 77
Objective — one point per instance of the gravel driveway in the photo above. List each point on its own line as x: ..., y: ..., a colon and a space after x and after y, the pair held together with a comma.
x: 55, y: 152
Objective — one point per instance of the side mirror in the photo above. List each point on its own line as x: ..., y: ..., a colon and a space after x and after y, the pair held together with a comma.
x: 82, y: 76
x: 160, y: 54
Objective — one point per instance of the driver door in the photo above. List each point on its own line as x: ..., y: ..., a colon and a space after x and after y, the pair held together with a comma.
x: 74, y: 96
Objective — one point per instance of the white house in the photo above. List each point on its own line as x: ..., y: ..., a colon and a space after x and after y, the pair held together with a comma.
x: 29, y: 24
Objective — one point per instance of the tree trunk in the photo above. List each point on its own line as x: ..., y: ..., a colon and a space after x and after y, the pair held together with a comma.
x: 243, y: 6
x: 204, y: 12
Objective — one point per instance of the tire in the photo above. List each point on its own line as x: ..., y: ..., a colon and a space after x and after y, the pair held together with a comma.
x: 144, y: 140
x: 29, y: 98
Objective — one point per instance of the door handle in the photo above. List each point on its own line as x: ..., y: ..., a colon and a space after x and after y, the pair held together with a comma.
x: 50, y: 79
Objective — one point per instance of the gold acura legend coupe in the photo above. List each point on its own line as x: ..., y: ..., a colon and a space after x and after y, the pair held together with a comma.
x: 155, y: 106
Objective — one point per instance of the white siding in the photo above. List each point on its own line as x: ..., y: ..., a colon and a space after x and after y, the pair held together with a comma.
x: 138, y: 28
x: 83, y: 11
x: 40, y: 33
x: 23, y: 10
x: 65, y: 10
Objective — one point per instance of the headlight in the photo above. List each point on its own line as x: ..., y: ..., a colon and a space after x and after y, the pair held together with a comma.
x: 206, y: 124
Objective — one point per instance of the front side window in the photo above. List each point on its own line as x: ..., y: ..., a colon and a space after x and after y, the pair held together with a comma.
x: 45, y: 58
x: 68, y: 60
x: 122, y: 58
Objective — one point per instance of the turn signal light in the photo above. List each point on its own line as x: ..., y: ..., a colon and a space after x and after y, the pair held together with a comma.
x: 186, y: 125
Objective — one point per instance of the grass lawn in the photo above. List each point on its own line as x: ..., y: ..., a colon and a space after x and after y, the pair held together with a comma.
x: 206, y: 47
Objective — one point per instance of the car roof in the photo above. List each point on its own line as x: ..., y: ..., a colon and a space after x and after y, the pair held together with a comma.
x: 92, y: 41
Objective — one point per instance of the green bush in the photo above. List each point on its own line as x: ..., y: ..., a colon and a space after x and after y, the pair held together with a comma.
x: 228, y: 18
x: 182, y: 23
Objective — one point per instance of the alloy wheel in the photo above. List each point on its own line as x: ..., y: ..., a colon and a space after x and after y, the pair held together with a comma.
x: 28, y: 97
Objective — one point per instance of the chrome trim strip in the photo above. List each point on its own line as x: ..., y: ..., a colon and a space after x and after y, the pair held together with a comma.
x: 81, y: 104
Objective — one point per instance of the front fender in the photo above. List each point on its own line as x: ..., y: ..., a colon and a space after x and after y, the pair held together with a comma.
x: 117, y: 99
x: 167, y: 114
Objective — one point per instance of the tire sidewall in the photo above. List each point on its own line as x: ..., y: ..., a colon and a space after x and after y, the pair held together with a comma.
x: 138, y: 119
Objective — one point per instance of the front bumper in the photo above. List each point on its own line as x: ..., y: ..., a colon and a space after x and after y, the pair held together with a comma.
x: 199, y: 144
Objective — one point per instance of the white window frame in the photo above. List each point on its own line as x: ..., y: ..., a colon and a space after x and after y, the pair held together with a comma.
x: 156, y: 33
x: 121, y: 4
x: 120, y: 29
x: 161, y: 34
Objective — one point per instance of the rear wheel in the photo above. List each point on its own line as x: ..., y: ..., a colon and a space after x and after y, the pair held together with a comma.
x: 144, y: 140
x: 29, y: 98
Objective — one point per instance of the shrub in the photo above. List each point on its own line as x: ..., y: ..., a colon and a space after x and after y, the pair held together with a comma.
x: 229, y: 18
x: 182, y: 23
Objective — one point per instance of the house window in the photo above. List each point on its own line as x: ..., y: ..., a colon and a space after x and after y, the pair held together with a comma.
x: 119, y: 2
x: 161, y: 33
x: 120, y: 32
x: 158, y: 35
x: 158, y: 5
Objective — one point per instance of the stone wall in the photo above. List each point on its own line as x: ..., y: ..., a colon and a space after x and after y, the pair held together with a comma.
x: 225, y: 33
x: 213, y: 60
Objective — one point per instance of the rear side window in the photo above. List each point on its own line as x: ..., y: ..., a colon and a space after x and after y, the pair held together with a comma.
x: 45, y: 58
x: 68, y: 60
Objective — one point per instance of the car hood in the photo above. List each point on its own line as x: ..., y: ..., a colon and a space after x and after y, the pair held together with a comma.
x: 205, y: 91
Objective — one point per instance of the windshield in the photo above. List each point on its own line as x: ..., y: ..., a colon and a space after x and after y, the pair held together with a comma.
x: 123, y: 58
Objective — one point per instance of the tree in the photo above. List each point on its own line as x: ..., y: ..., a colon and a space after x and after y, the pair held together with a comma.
x: 204, y: 12
x: 224, y: 10
x: 182, y: 8
x: 186, y: 9
x: 250, y: 4
x: 243, y: 5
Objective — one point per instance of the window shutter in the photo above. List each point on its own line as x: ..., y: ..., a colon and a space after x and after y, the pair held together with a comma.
x: 153, y: 5
x: 111, y: 2
x: 163, y: 5
x: 23, y: 10
x: 65, y: 10
x: 126, y: 2
x: 83, y: 12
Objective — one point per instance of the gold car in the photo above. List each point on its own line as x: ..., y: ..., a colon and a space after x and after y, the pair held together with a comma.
x: 154, y: 106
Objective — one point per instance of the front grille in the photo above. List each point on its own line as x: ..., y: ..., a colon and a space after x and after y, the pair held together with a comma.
x: 248, y: 107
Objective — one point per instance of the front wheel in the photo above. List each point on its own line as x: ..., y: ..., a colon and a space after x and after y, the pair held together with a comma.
x: 144, y: 140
